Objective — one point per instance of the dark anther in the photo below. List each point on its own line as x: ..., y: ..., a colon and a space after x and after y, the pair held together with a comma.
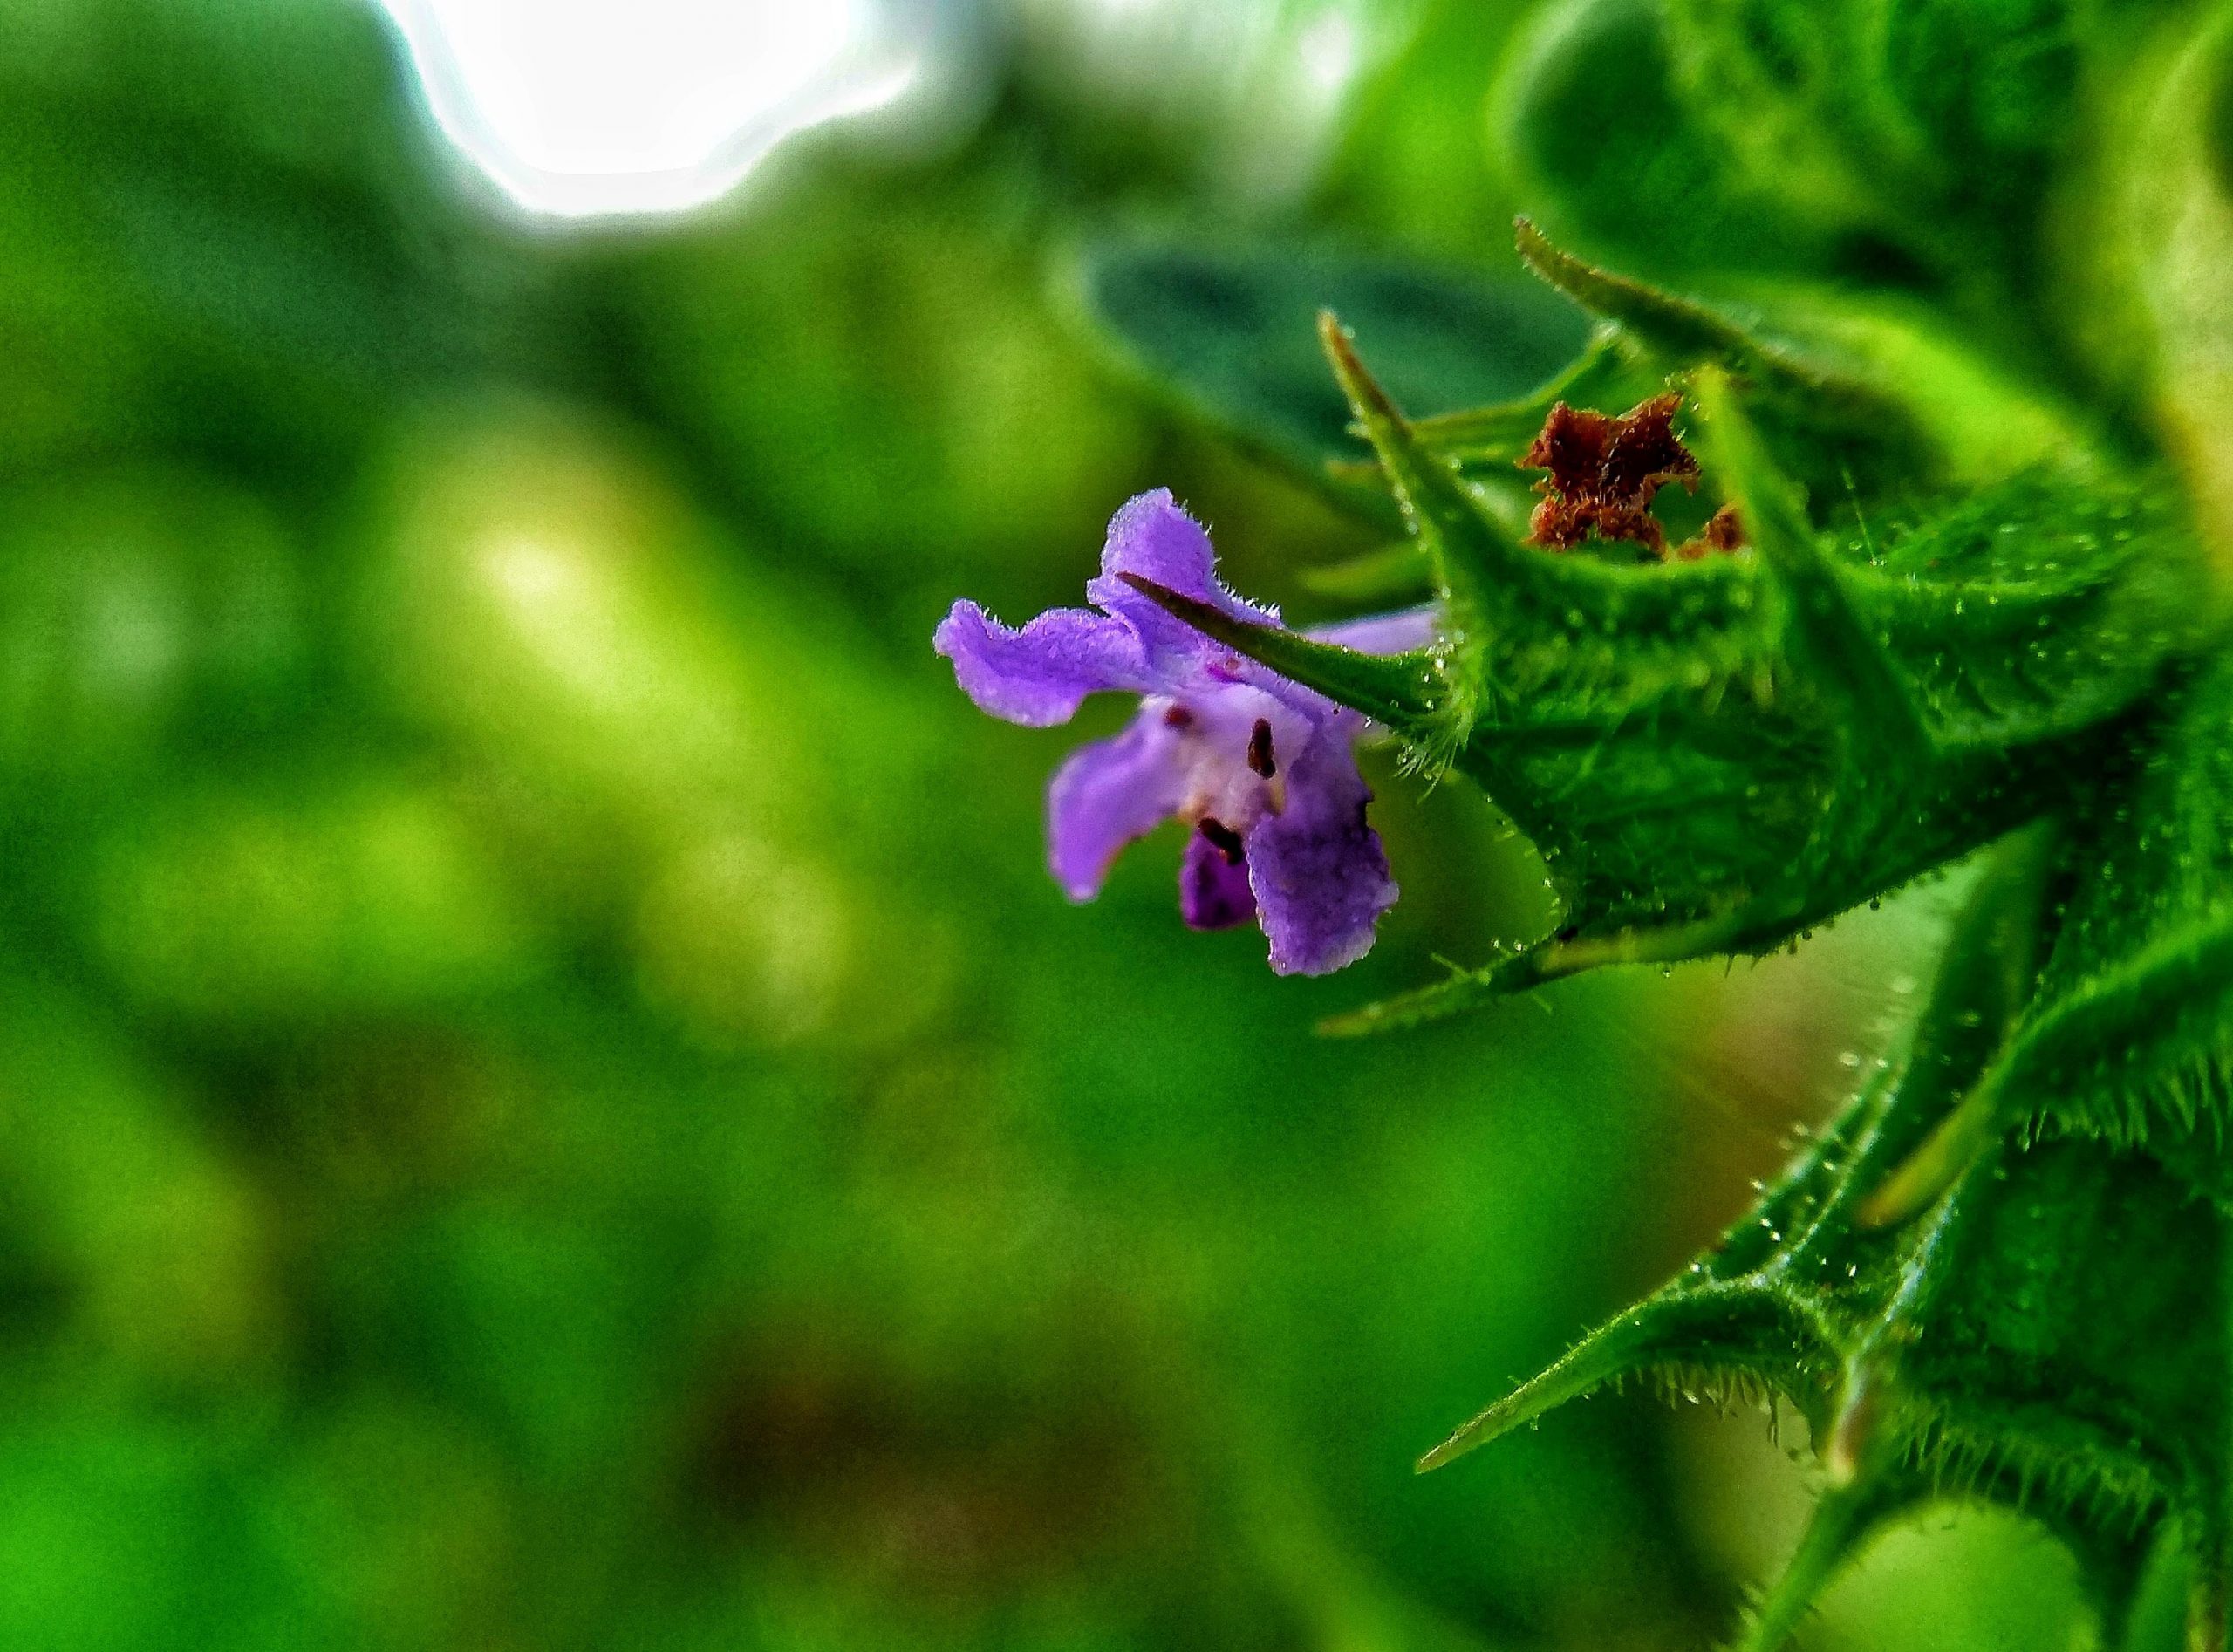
x: 1260, y: 749
x: 1224, y: 840
x: 1177, y: 716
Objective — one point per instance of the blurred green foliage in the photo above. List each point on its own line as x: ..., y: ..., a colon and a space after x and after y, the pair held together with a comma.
x: 545, y: 1099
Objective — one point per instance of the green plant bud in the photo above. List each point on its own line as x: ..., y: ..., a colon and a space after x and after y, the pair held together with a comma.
x: 1715, y: 754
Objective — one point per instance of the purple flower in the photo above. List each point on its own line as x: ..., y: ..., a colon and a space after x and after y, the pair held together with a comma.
x: 1262, y: 770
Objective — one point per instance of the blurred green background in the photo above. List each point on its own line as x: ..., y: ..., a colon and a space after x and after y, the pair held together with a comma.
x: 546, y: 1098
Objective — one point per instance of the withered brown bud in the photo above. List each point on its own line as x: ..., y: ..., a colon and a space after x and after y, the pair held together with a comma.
x: 1604, y: 470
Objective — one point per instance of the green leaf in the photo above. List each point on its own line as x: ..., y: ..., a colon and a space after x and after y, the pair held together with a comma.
x: 2130, y: 1038
x: 1845, y: 1517
x: 1985, y: 978
x: 2050, y: 1337
x: 2168, y: 242
x: 1930, y: 125
x: 1719, y: 1339
x: 1230, y: 336
x: 1676, y: 329
x: 1588, y: 119
x: 2036, y: 606
x: 1984, y: 420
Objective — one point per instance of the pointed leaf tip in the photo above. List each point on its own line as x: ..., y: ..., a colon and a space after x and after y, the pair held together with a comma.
x: 1392, y: 689
x: 1535, y: 250
x: 1845, y: 656
x: 1464, y: 990
x: 1373, y: 404
x: 1677, y: 329
x: 1625, y: 1344
x: 1471, y: 537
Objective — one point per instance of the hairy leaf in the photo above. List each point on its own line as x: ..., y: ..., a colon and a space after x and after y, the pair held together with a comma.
x: 2131, y: 1037
x: 2038, y: 606
x: 2050, y: 1337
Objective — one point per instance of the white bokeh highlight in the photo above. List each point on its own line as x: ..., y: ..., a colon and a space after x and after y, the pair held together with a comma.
x: 615, y: 108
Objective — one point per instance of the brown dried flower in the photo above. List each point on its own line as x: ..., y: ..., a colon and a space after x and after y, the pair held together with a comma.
x: 1603, y: 470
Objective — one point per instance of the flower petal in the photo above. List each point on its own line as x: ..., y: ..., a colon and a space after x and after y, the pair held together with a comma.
x: 1214, y: 891
x: 1320, y: 875
x: 1038, y: 676
x: 1153, y: 537
x: 1107, y: 793
x: 1397, y: 633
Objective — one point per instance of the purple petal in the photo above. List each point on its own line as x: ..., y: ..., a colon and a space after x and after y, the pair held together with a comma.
x: 1150, y: 536
x: 1397, y: 633
x: 1106, y: 795
x: 1153, y: 537
x: 1320, y: 875
x: 1213, y: 890
x: 1039, y: 675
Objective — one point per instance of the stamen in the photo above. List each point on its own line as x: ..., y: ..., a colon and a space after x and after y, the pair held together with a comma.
x: 1177, y: 717
x: 1224, y: 840
x: 1260, y: 749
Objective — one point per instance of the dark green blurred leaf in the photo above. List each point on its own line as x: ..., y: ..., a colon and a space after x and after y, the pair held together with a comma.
x: 1233, y: 337
x: 1589, y: 115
